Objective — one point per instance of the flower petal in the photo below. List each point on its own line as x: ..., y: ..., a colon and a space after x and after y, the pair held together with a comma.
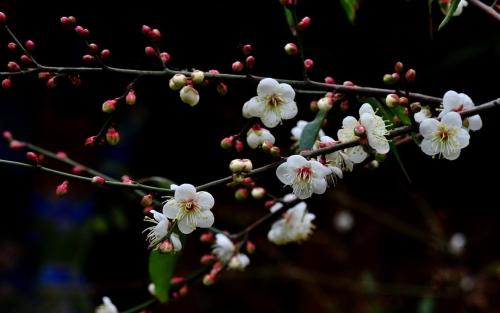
x: 288, y: 110
x: 463, y: 138
x: 451, y: 154
x: 270, y: 118
x: 379, y: 143
x: 205, y: 219
x: 171, y: 209
x: 319, y: 170
x: 366, y: 108
x: 185, y: 192
x: 452, y: 119
x: 296, y: 161
x: 429, y: 148
x: 466, y: 101
x: 475, y: 122
x: 451, y: 101
x: 319, y: 185
x: 253, y: 108
x: 356, y: 154
x: 176, y: 242
x: 205, y: 200
x: 253, y: 140
x: 267, y: 87
x: 349, y: 122
x: 428, y: 127
x: 184, y: 227
x: 285, y: 173
x: 286, y: 91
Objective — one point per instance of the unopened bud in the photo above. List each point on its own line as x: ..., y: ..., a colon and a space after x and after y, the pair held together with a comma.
x: 32, y: 157
x: 150, y: 51
x: 166, y: 246
x: 6, y: 83
x: 3, y: 18
x: 246, y: 49
x: 396, y: 120
x: 221, y: 88
x: 51, y: 83
x: 83, y: 32
x: 403, y: 101
x: 241, y: 194
x: 291, y: 48
x: 390, y: 79
x: 238, y: 145
x: 155, y: 34
x: 88, y: 58
x: 112, y: 136
x: 206, y: 259
x: 360, y: 131
x: 177, y: 81
x: 16, y: 145
x: 227, y: 143
x: 130, y: 98
x: 147, y: 200
x: 398, y: 67
x: 93, y: 47
x: 11, y: 46
x: 62, y: 189
x: 275, y: 151
x: 392, y: 100
x: 344, y: 105
x: 105, y: 53
x: 68, y: 21
x: 77, y: 170
x: 240, y: 165
x: 313, y: 105
x: 146, y: 29
x: 308, y: 64
x: 415, y: 107
x: 248, y: 181
x: 207, y: 237
x: 164, y: 57
x: 44, y: 75
x: 90, y: 141
x: 13, y: 66
x: 410, y: 75
x: 183, y: 291
x: 237, y: 66
x: 325, y: 104
x: 304, y: 23
x: 177, y: 280
x: 329, y: 80
x: 7, y: 135
x: 374, y: 164
x: 109, y: 106
x: 258, y: 193
x: 25, y: 59
x: 98, y: 180
x: 250, y: 61
x: 209, y: 279
x: 189, y: 95
x: 250, y: 247
x: 267, y: 145
x: 197, y: 77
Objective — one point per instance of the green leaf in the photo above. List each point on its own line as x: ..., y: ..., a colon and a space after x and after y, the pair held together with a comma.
x: 394, y: 151
x: 291, y: 19
x: 161, y: 270
x: 310, y: 131
x: 400, y: 112
x: 350, y: 7
x: 426, y: 305
x: 449, y: 14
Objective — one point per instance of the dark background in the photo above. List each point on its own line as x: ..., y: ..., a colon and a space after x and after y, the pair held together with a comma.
x: 63, y: 255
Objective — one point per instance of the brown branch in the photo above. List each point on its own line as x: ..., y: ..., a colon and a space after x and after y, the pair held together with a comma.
x: 486, y: 9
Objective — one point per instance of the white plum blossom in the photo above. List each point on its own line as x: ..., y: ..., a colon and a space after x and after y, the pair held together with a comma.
x: 457, y: 243
x: 337, y: 159
x: 106, y: 307
x: 297, y: 130
x: 257, y: 135
x: 421, y: 115
x: 274, y: 102
x: 305, y: 177
x: 286, y: 199
x: 445, y: 138
x: 458, y: 102
x: 375, y: 129
x: 295, y: 226
x: 356, y: 154
x: 159, y: 231
x: 225, y: 251
x: 343, y: 221
x: 461, y: 5
x: 190, y: 209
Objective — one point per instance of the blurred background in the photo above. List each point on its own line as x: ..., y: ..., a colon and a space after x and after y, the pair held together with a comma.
x: 64, y: 254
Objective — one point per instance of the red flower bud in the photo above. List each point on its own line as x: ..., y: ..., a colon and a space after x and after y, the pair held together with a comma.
x: 112, y: 136
x: 207, y: 237
x: 237, y: 66
x: 146, y: 29
x: 105, y: 53
x: 13, y: 66
x: 98, y: 180
x: 12, y: 46
x: 62, y: 189
x: 130, y: 98
x: 150, y: 51
x: 250, y: 61
x: 238, y: 145
x: 7, y: 135
x: 155, y: 34
x: 250, y: 247
x: 329, y: 80
x: 32, y: 157
x: 109, y: 106
x: 93, y: 47
x: 304, y: 23
x: 17, y: 145
x: 25, y: 59
x: 89, y: 142
x: 206, y: 259
x: 3, y: 18
x: 6, y: 83
x: 246, y: 49
x: 147, y: 200
x: 29, y: 45
x: 88, y: 58
x: 308, y: 64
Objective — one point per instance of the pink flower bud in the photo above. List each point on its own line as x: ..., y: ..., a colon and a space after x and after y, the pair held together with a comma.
x: 206, y: 259
x: 360, y: 131
x: 250, y: 247
x: 130, y: 98
x: 166, y: 246
x: 155, y: 34
x: 3, y: 18
x: 237, y: 66
x: 403, y: 101
x: 150, y: 51
x: 16, y: 145
x: 227, y: 143
x: 209, y: 279
x: 250, y: 61
x: 146, y: 29
x: 291, y: 48
x: 52, y: 83
x: 275, y: 151
x: 44, y: 75
x: 25, y: 59
x: 127, y: 179
x: 88, y: 58
x: 77, y: 169
x: 329, y: 80
x: 83, y: 32
x: 398, y: 67
x: 308, y: 64
x: 109, y: 106
x: 207, y: 237
x: 61, y: 155
x: 98, y: 180
x: 12, y: 46
x: 241, y: 194
x: 32, y: 158
x: 177, y: 280
x: 90, y: 141
x: 7, y: 135
x: 238, y: 146
x: 112, y: 136
x: 105, y: 53
x: 246, y: 49
x: 29, y: 45
x: 183, y: 291
x: 147, y: 200
x: 6, y: 83
x: 13, y: 66
x: 410, y: 75
x: 248, y: 181
x: 65, y: 21
x: 148, y: 209
x: 269, y: 203
x: 164, y: 57
x: 221, y: 88
x: 258, y: 193
x: 304, y: 23
x: 415, y: 107
x: 62, y: 189
x: 93, y: 47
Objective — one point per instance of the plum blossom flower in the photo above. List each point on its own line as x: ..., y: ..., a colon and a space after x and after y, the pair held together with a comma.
x: 421, y: 115
x: 190, y: 209
x: 257, y: 135
x: 159, y: 231
x: 297, y: 130
x: 375, y: 129
x: 460, y: 7
x: 338, y: 159
x: 305, y: 177
x: 274, y: 102
x: 458, y: 102
x: 295, y: 226
x: 225, y: 250
x: 445, y: 138
x: 286, y: 199
x: 106, y: 307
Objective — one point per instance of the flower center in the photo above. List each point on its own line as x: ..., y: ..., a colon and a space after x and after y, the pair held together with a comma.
x: 190, y: 205
x: 444, y: 133
x: 304, y: 173
x: 459, y: 109
x: 274, y: 101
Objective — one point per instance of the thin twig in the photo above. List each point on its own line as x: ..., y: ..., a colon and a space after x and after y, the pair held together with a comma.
x: 486, y: 9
